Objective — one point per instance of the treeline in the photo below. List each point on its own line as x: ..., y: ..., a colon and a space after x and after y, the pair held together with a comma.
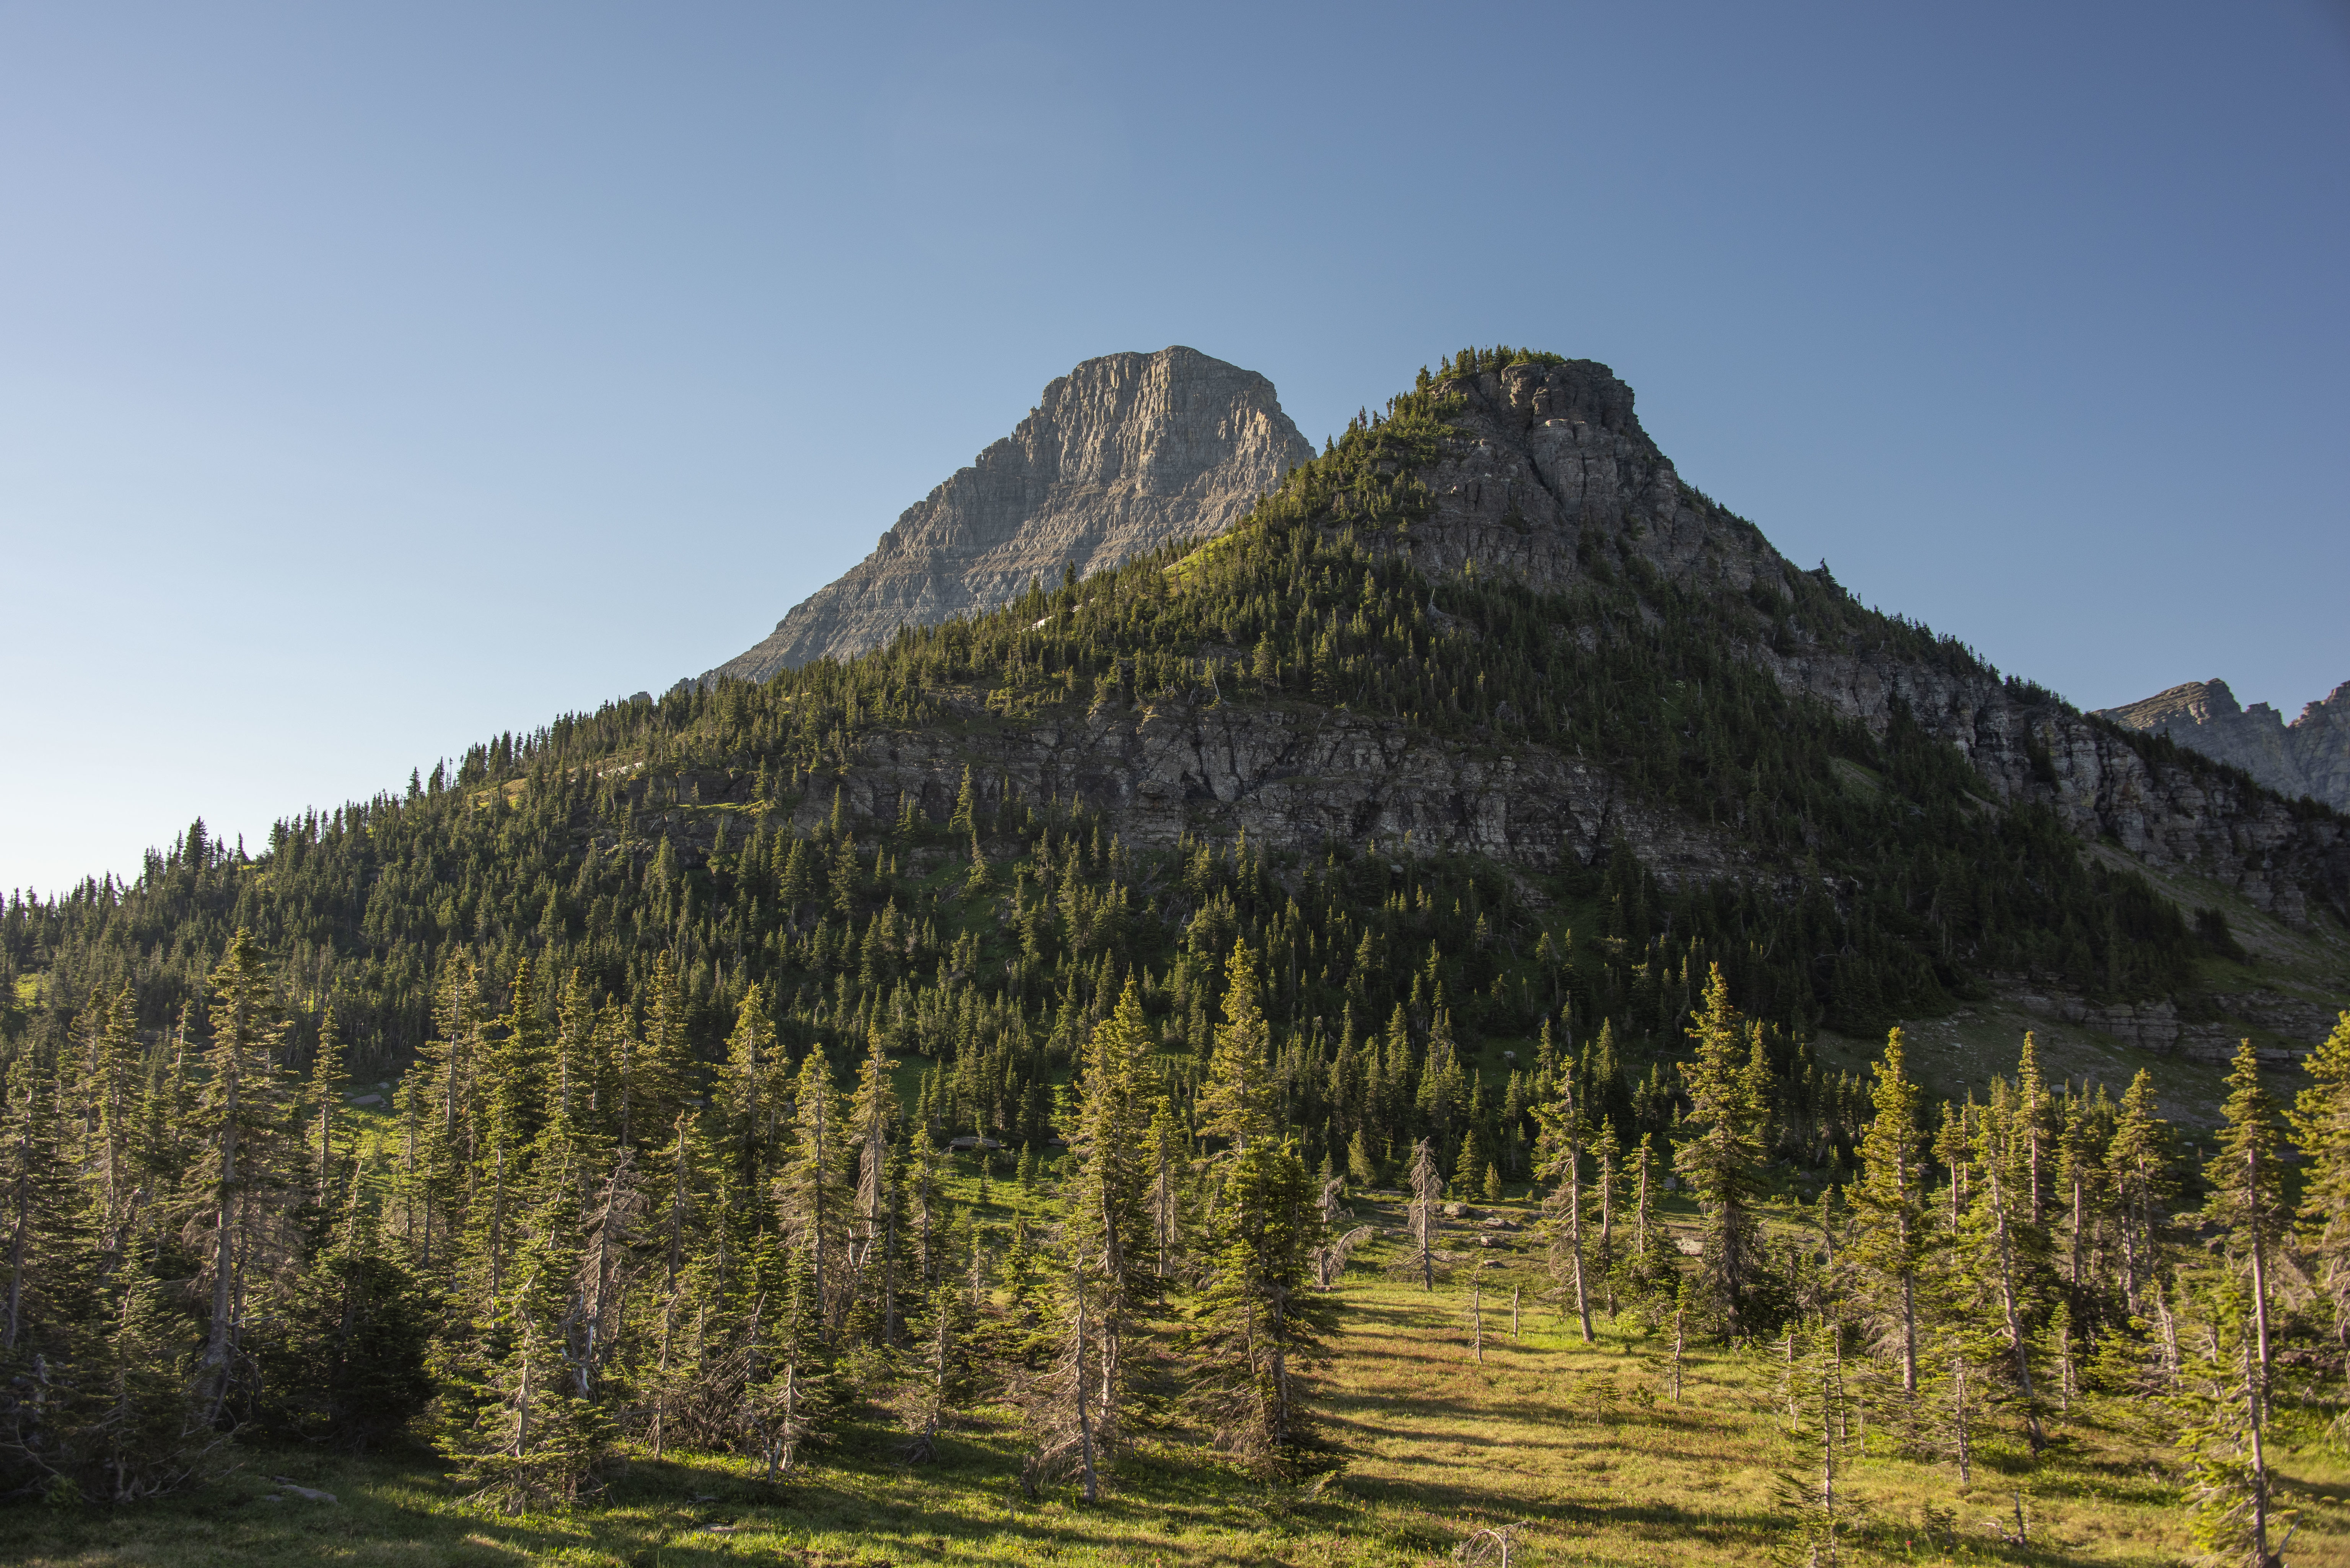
x: 990, y: 968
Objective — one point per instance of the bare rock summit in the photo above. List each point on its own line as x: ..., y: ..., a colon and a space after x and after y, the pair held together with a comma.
x: 2310, y: 756
x: 1122, y: 454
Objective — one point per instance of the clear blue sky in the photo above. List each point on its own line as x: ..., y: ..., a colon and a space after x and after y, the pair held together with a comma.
x: 375, y: 378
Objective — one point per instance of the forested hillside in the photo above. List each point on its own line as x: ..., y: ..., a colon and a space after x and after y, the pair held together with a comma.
x: 665, y: 1017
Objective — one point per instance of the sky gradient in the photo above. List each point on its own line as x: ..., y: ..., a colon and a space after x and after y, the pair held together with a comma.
x: 372, y: 380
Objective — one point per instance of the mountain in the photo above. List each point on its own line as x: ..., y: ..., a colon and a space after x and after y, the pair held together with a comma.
x: 1123, y: 454
x: 1486, y: 676
x: 2310, y: 756
x: 1483, y: 783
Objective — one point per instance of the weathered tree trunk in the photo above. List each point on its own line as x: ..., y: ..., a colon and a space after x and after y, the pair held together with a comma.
x: 1574, y: 1234
x: 218, y: 1344
x: 1085, y: 1413
x: 2015, y: 1337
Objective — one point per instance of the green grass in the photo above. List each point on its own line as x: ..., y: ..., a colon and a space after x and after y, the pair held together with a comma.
x: 1579, y: 1442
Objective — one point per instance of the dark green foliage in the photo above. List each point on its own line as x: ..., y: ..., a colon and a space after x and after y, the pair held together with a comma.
x: 346, y: 1365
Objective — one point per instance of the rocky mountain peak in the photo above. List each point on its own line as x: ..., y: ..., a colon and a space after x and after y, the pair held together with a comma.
x: 2310, y: 756
x: 1123, y: 454
x: 1552, y: 459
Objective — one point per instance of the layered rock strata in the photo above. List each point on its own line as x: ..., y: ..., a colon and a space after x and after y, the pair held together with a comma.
x: 1123, y: 454
x: 2310, y: 756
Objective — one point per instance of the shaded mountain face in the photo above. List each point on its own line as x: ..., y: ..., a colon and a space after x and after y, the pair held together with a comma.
x: 1123, y: 454
x: 2310, y: 756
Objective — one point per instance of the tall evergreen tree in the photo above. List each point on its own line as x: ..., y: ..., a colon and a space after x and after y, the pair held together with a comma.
x: 1109, y: 1226
x: 1722, y: 1158
x: 870, y: 1119
x: 812, y: 1206
x: 2234, y: 1497
x: 1237, y: 1101
x: 2006, y: 1245
x: 1562, y: 1130
x: 1890, y: 1200
x: 1258, y: 1324
x: 2321, y: 1125
x: 324, y: 1095
x: 244, y: 1176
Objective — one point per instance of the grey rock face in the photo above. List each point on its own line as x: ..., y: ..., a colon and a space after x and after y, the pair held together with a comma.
x: 1289, y: 778
x: 1122, y: 454
x: 1552, y: 456
x: 2310, y: 756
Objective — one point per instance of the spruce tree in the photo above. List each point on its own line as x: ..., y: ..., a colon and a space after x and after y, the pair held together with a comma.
x: 1108, y: 1230
x: 2138, y: 1157
x: 2232, y: 1497
x: 48, y: 1360
x: 1819, y: 1416
x: 1168, y: 1177
x: 666, y: 1076
x: 1237, y: 1102
x: 1722, y: 1158
x: 2321, y: 1125
x: 2005, y: 1247
x: 945, y: 1332
x: 325, y: 1095
x: 347, y: 1364
x: 1890, y: 1200
x: 538, y: 1440
x: 748, y: 1094
x: 1062, y: 1406
x: 870, y: 1120
x: 1258, y: 1325
x: 243, y: 1180
x: 812, y: 1207
x: 1562, y: 1130
x: 146, y: 1439
x: 114, y: 1089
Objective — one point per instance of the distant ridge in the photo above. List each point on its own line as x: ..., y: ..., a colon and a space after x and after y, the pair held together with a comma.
x: 2310, y: 756
x: 1122, y: 454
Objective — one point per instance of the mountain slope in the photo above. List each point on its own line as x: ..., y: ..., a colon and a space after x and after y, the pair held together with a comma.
x: 1123, y: 454
x: 1482, y: 715
x: 2310, y: 756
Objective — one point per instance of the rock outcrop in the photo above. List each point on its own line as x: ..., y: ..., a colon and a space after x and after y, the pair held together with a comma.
x: 1289, y: 777
x: 2310, y: 756
x: 1122, y: 454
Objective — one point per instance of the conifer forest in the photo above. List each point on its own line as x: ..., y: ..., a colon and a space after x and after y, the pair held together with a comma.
x: 639, y: 1103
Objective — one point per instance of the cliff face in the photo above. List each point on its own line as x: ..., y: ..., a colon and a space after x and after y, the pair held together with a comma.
x: 2310, y: 756
x: 1122, y: 454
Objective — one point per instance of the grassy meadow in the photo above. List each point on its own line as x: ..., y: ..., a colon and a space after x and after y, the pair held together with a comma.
x: 1579, y: 1445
